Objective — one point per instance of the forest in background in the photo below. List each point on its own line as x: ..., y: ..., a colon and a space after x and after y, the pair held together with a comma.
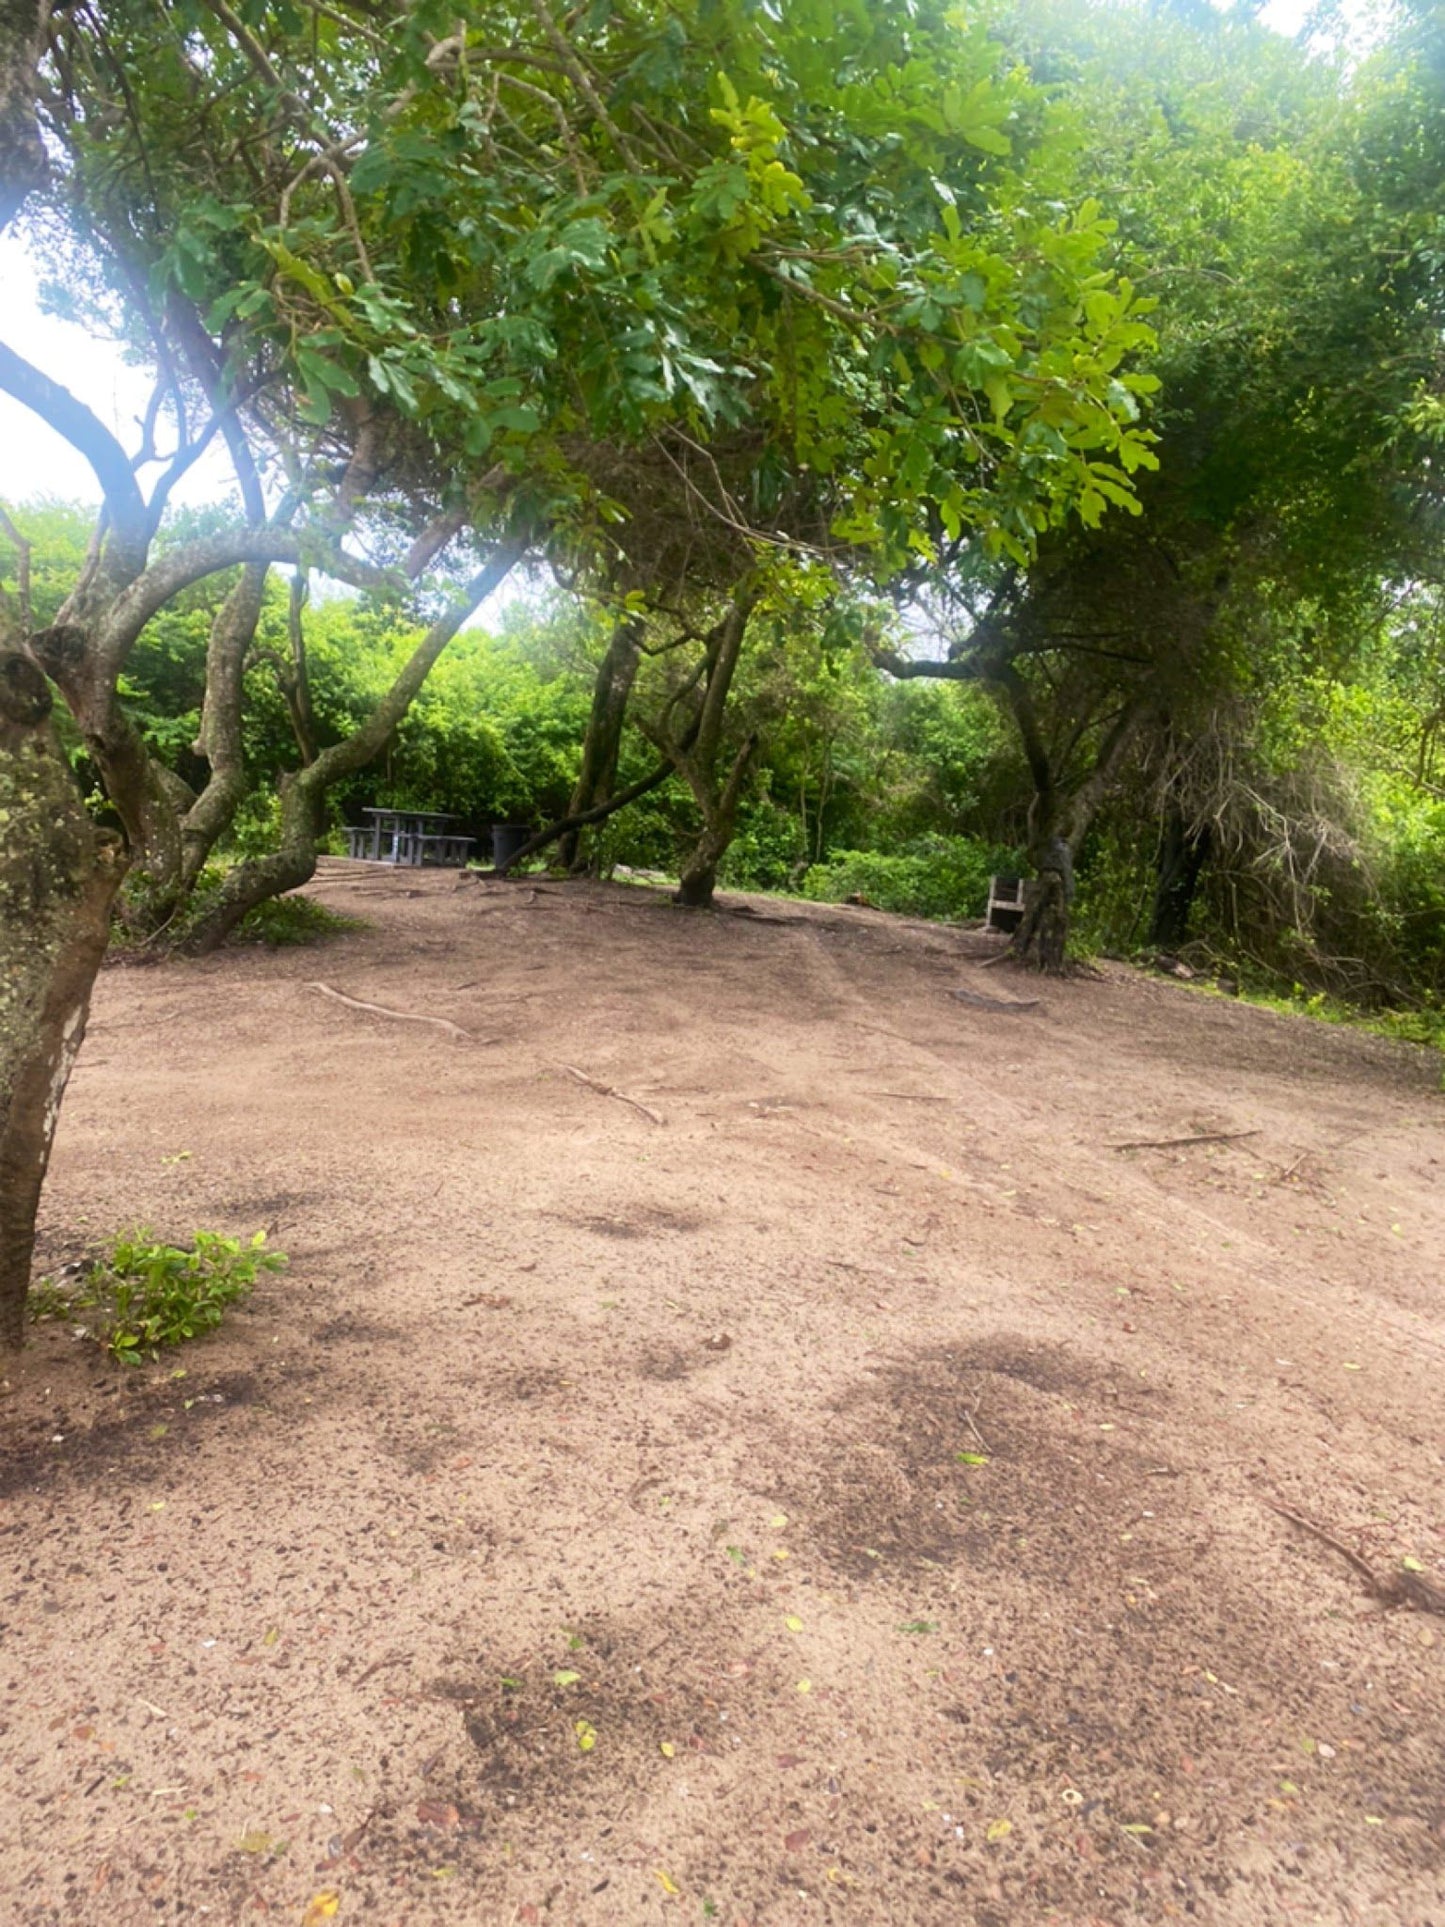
x: 1327, y: 877
x: 915, y: 442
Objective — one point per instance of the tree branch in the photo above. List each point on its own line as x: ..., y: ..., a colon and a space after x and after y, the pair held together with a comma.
x: 597, y: 814
x: 87, y: 434
x: 191, y: 562
x: 358, y: 749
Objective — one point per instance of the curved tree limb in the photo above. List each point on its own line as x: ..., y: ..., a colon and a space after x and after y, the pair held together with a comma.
x: 598, y: 814
x: 303, y: 795
x: 88, y: 436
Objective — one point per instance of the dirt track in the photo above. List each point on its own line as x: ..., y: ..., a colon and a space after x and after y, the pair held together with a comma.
x: 566, y: 1425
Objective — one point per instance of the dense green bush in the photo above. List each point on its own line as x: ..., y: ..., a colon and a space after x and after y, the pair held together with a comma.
x: 938, y: 876
x: 766, y: 853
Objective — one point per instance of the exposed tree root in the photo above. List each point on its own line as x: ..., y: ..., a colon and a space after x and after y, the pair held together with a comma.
x: 401, y: 1016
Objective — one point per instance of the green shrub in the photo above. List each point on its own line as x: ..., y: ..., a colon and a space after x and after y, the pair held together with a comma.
x: 766, y: 850
x: 281, y: 921
x: 938, y: 876
x: 141, y: 1295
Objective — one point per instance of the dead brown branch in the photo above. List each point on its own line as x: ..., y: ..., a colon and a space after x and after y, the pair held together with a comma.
x: 1168, y: 1143
x: 1404, y: 1588
x: 610, y: 1090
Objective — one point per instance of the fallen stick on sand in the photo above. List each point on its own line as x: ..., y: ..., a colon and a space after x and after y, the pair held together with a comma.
x: 401, y: 1016
x: 1405, y: 1588
x: 994, y: 1003
x: 609, y: 1090
x: 1168, y: 1143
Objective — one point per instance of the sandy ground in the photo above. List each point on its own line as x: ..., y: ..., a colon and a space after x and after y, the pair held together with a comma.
x: 839, y: 1496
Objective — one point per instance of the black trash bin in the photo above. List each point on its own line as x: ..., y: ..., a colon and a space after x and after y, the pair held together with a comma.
x: 507, y: 839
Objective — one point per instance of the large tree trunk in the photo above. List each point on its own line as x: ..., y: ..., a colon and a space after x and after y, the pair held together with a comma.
x: 58, y: 879
x: 1058, y: 824
x: 219, y: 736
x: 292, y: 863
x: 694, y: 753
x: 601, y: 746
x: 1182, y: 855
x: 719, y: 810
x: 1042, y: 938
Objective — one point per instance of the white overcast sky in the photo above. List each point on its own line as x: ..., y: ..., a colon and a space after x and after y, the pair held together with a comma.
x: 35, y: 462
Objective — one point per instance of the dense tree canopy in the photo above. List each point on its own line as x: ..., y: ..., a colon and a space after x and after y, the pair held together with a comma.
x: 956, y: 441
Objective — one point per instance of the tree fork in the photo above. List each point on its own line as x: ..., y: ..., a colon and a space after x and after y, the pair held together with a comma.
x: 303, y: 795
x: 58, y: 879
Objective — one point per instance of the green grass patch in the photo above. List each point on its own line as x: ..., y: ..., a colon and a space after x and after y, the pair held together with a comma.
x: 1424, y: 1025
x: 944, y: 877
x: 284, y: 921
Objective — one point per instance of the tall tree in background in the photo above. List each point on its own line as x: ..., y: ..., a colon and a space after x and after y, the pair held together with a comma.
x: 1286, y: 207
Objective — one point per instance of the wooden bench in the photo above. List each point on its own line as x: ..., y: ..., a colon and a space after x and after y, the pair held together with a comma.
x: 361, y: 841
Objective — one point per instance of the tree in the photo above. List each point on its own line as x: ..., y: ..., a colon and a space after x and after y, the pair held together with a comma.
x: 374, y: 262
x: 1247, y: 179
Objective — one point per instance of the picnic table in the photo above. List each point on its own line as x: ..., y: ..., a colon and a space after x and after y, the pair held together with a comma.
x: 410, y: 837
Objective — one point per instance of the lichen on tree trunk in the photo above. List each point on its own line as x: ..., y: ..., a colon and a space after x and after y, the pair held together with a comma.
x: 58, y: 879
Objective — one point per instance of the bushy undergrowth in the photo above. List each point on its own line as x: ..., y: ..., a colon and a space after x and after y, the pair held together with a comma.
x: 938, y: 876
x: 283, y: 921
x: 279, y: 922
x: 141, y: 1295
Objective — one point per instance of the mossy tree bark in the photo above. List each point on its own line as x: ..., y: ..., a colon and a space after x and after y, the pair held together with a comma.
x: 58, y: 879
x: 23, y: 165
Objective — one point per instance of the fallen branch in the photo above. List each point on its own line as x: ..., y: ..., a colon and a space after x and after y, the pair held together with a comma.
x: 1288, y: 1172
x: 1168, y: 1143
x: 977, y: 998
x: 402, y: 1016
x: 583, y: 818
x: 609, y: 1090
x: 1403, y: 1588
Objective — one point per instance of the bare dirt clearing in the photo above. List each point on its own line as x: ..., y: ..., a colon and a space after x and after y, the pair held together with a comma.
x: 842, y: 1500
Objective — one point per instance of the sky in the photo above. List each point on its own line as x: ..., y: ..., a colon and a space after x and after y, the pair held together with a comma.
x: 34, y: 461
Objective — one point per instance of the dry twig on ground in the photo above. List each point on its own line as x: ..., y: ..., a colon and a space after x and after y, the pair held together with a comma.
x: 609, y: 1090
x: 1168, y: 1143
x: 1404, y: 1588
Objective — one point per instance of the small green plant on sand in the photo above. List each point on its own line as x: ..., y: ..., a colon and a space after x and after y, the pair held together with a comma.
x: 140, y: 1295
